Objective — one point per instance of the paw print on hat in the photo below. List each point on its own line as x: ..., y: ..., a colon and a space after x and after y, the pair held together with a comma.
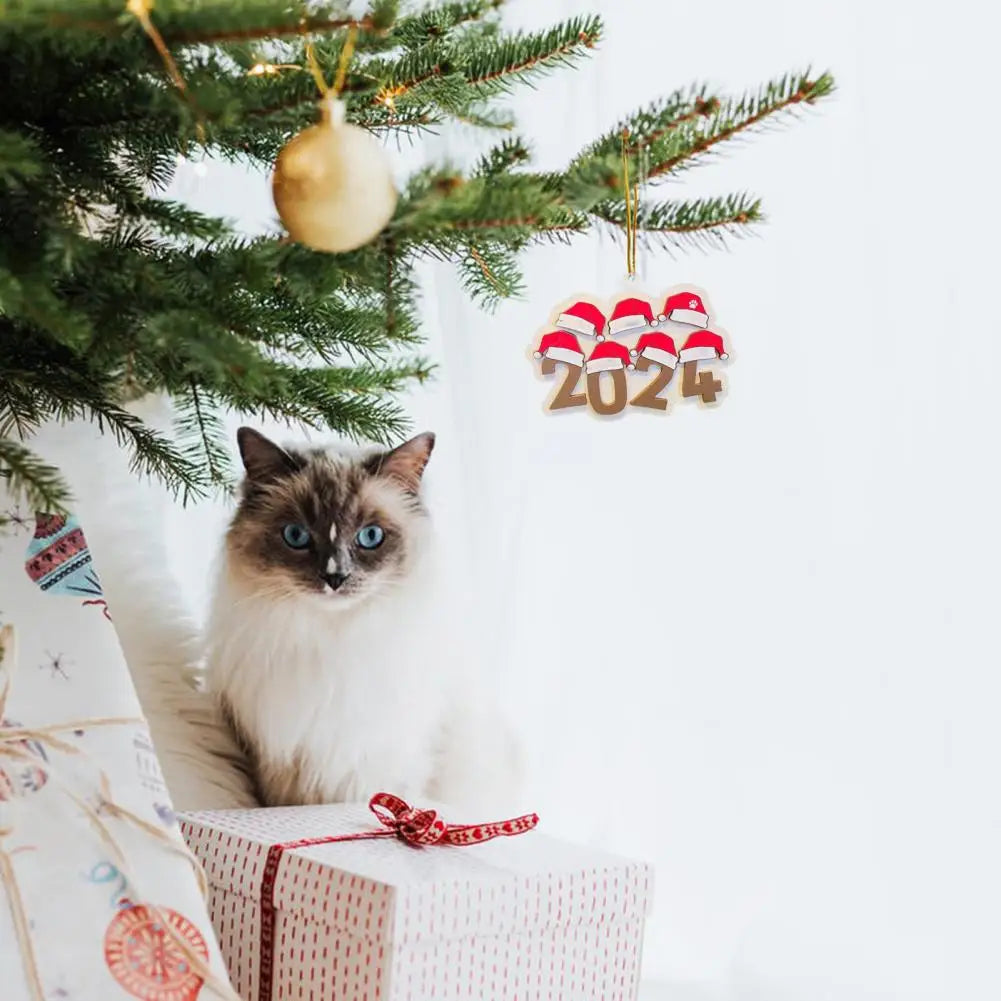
x: 685, y: 307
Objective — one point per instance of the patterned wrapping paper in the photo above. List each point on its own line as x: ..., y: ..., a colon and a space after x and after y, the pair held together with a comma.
x: 91, y: 884
x: 528, y: 917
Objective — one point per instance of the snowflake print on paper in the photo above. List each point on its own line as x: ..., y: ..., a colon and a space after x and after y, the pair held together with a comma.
x: 13, y: 516
x: 56, y: 666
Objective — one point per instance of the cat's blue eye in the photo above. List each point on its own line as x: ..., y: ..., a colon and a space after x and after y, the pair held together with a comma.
x: 296, y: 536
x: 370, y: 537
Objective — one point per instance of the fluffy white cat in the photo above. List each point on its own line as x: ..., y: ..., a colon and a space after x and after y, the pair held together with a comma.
x: 331, y: 643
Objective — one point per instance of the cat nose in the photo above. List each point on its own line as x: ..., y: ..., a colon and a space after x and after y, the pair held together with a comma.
x: 335, y: 580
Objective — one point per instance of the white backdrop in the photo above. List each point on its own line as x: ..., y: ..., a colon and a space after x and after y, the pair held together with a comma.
x: 757, y: 644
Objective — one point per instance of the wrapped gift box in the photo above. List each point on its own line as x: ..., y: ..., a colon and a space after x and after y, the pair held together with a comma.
x: 99, y: 897
x: 527, y: 917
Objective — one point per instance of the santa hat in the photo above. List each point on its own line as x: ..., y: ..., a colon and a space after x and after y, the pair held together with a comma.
x: 608, y: 356
x: 560, y: 346
x: 701, y: 345
x: 685, y: 307
x: 629, y: 315
x: 658, y: 348
x: 583, y: 318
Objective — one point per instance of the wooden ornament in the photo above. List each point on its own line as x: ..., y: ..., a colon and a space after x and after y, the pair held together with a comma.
x: 589, y: 344
x: 332, y: 184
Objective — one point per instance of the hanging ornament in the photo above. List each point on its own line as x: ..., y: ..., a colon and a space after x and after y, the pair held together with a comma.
x: 602, y: 374
x: 621, y: 353
x: 332, y: 185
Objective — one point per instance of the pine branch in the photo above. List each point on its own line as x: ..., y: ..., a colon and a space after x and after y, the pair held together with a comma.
x: 107, y: 291
x: 20, y: 158
x: 435, y: 23
x: 518, y: 57
x: 679, y: 217
x: 490, y: 274
x: 644, y: 127
x: 502, y: 158
x: 198, y: 422
x: 301, y: 26
x: 28, y: 477
x: 685, y: 145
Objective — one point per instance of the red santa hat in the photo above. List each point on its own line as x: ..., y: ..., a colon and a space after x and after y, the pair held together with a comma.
x: 583, y: 318
x: 685, y: 307
x: 629, y: 315
x: 701, y: 345
x: 607, y: 357
x: 657, y: 347
x: 560, y: 346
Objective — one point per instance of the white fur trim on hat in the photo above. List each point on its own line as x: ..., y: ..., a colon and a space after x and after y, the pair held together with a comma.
x: 660, y: 357
x: 624, y: 323
x: 699, y: 354
x: 564, y: 354
x: 605, y: 365
x: 570, y: 321
x: 692, y: 316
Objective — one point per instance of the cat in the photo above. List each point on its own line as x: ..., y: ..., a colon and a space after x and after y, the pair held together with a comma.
x: 330, y: 644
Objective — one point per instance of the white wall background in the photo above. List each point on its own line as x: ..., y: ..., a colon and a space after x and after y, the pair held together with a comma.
x: 757, y: 644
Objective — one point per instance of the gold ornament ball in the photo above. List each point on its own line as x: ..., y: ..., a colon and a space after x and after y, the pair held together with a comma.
x: 332, y: 185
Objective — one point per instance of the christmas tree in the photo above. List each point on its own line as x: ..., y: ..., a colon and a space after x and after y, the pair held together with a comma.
x: 109, y: 292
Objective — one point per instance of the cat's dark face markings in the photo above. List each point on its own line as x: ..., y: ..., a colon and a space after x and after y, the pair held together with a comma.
x: 338, y: 527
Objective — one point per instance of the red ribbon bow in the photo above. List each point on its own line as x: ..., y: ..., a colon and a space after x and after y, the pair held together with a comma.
x: 416, y: 827
x: 425, y: 827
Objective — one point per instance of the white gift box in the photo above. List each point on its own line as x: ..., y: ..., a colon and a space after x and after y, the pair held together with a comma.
x: 99, y: 900
x: 526, y: 917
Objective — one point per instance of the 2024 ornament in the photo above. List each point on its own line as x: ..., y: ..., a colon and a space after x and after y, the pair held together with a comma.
x: 684, y: 318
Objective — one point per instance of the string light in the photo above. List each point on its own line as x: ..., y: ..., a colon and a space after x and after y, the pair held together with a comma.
x: 271, y: 69
x: 387, y: 96
x: 142, y: 11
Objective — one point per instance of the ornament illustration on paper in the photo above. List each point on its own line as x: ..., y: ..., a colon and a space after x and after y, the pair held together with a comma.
x: 602, y: 359
x: 145, y: 958
x: 18, y: 776
x: 58, y: 560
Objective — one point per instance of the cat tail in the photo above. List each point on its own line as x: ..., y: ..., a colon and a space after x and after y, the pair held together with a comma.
x: 479, y: 762
x: 125, y: 523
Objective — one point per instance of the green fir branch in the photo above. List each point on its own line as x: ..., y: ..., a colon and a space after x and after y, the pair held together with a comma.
x: 30, y: 479
x: 676, y: 221
x: 644, y: 127
x: 109, y: 291
x: 202, y: 434
x: 519, y: 58
x: 693, y: 141
x: 490, y: 273
x: 505, y: 156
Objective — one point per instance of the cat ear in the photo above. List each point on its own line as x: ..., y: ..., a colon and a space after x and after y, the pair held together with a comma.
x: 262, y: 458
x: 406, y: 462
